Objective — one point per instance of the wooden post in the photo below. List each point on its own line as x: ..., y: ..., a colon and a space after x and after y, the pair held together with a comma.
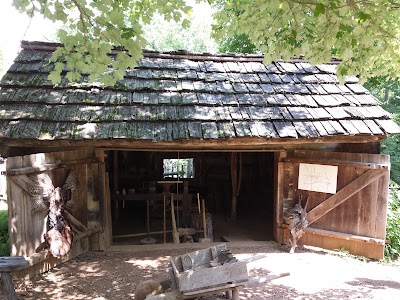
x: 175, y: 233
x: 198, y: 202
x: 236, y: 182
x: 115, y: 183
x: 235, y: 294
x: 148, y: 218
x: 115, y: 170
x: 234, y: 185
x: 204, y: 218
x: 165, y: 218
x: 104, y: 201
x: 107, y: 210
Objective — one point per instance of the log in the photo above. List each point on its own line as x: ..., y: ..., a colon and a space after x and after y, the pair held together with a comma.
x: 8, y: 265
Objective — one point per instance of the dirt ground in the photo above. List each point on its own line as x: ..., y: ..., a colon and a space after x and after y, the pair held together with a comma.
x: 314, y: 274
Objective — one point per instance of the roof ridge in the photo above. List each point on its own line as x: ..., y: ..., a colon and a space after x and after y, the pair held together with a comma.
x: 175, y: 54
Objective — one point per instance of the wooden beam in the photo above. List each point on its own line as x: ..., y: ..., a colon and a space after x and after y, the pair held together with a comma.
x: 21, y: 181
x: 344, y: 236
x: 87, y: 233
x: 140, y: 234
x: 38, y: 257
x: 345, y: 193
x: 338, y: 163
x: 228, y: 144
x: 49, y: 167
x: 78, y: 225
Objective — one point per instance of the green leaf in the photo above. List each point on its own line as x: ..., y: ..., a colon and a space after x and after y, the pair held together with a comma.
x: 54, y: 77
x: 319, y: 9
x: 127, y: 33
x: 345, y: 27
x: 364, y: 16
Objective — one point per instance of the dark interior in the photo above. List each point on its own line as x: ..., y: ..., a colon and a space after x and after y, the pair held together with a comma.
x: 134, y: 176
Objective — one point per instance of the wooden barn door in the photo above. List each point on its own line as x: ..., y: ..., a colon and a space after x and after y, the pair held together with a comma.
x: 354, y: 218
x: 28, y: 217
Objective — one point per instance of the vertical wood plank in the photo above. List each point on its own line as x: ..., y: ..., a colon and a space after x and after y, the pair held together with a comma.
x: 382, y: 205
x: 14, y: 223
x: 278, y: 196
x: 104, y: 201
x: 92, y: 206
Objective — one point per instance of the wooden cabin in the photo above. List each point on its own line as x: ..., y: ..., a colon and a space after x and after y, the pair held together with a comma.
x: 250, y: 139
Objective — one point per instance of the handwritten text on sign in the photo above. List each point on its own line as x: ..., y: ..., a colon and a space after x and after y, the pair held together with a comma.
x: 318, y: 178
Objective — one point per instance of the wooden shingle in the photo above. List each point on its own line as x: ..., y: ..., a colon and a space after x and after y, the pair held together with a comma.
x: 226, y: 130
x: 180, y: 96
x: 285, y: 129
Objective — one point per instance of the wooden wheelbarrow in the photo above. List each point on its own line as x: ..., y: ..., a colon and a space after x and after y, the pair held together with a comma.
x: 210, y: 271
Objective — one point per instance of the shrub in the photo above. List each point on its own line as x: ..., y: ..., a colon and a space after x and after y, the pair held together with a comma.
x: 4, y: 239
x: 392, y: 250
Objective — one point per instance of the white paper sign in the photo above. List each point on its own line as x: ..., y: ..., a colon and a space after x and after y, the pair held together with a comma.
x: 318, y: 178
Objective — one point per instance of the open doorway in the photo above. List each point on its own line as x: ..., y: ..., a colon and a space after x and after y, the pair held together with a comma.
x: 136, y: 185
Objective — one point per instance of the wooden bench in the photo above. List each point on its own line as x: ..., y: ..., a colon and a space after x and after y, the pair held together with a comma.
x: 10, y: 264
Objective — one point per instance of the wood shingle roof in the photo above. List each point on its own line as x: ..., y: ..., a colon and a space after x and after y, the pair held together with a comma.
x: 185, y: 96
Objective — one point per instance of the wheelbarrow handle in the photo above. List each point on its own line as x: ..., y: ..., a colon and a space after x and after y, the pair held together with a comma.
x: 266, y: 278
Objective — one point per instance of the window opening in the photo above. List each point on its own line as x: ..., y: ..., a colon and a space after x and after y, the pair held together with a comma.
x: 178, y: 168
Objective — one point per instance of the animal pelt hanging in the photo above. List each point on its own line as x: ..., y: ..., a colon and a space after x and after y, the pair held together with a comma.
x: 59, y: 236
x: 296, y: 218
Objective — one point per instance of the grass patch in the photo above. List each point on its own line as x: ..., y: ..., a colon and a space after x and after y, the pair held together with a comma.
x: 392, y: 250
x: 4, y: 239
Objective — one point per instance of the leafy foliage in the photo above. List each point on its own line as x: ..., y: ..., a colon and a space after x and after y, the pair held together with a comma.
x: 94, y: 28
x: 388, y: 92
x: 4, y: 240
x: 163, y: 35
x: 239, y: 43
x: 392, y: 250
x: 364, y: 34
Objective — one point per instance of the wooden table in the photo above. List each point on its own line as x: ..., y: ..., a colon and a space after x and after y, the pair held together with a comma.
x: 166, y: 184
